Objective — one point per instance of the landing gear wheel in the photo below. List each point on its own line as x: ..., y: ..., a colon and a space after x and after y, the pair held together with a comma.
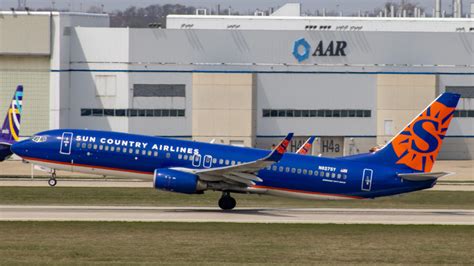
x: 52, y: 182
x: 226, y: 202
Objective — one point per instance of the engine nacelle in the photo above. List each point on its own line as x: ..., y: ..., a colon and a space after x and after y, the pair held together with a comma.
x: 177, y: 181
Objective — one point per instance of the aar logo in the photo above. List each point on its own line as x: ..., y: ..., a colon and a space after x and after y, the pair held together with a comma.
x: 418, y: 144
x: 302, y: 49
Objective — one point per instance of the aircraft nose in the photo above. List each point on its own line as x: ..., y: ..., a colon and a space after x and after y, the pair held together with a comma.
x: 20, y: 148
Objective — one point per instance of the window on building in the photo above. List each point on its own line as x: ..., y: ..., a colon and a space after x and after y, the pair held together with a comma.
x: 465, y: 91
x: 464, y: 113
x: 97, y: 112
x: 109, y: 112
x: 120, y: 112
x: 159, y: 90
x: 133, y: 112
x: 106, y: 85
x: 86, y: 112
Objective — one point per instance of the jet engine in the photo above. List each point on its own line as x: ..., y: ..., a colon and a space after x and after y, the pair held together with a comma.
x: 178, y: 181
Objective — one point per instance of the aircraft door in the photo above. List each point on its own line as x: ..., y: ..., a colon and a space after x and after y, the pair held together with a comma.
x: 207, y: 163
x: 196, y: 160
x: 66, y: 143
x: 367, y: 179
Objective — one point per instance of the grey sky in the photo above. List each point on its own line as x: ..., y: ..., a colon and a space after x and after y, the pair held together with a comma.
x: 347, y: 6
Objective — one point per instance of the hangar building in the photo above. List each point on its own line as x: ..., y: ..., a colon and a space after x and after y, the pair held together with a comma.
x: 243, y: 80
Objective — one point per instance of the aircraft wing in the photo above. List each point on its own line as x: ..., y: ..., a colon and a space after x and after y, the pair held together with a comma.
x: 306, y: 147
x: 424, y: 176
x: 245, y: 173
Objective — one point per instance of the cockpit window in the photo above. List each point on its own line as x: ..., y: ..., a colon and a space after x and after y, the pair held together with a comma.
x: 39, y: 139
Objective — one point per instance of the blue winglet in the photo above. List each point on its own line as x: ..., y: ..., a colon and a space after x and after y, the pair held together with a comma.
x: 278, y: 152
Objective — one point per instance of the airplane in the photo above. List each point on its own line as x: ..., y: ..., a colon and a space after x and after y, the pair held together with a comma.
x: 403, y: 165
x: 307, y: 146
x: 10, y: 131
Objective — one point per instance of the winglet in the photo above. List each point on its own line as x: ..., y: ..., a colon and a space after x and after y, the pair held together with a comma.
x: 306, y: 146
x: 278, y: 152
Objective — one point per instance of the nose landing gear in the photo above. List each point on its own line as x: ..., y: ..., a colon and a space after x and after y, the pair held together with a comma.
x: 226, y: 202
x: 52, y: 181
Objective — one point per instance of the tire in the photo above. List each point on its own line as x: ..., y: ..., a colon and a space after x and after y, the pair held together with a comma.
x: 227, y: 203
x: 52, y: 182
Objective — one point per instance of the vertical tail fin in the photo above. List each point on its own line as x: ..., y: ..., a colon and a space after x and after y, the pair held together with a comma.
x: 10, y: 131
x: 419, y: 143
x: 306, y: 147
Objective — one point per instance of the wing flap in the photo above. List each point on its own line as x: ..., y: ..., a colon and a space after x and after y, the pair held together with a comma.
x: 244, y: 173
x: 424, y: 176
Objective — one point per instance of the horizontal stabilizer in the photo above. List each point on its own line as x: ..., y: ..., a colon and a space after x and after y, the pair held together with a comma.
x: 423, y: 176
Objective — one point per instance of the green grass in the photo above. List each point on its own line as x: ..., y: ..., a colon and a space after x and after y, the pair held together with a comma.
x: 232, y: 243
x: 152, y: 197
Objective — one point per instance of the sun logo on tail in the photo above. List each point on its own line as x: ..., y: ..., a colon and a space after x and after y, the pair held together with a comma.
x: 418, y: 144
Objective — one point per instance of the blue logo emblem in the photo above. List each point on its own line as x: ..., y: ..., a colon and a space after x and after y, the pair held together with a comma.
x: 301, y: 49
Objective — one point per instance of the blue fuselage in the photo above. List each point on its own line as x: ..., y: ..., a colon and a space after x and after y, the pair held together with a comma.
x: 111, y: 153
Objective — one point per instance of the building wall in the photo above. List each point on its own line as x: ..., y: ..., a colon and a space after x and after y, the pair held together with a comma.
x: 315, y: 91
x: 33, y: 73
x: 223, y: 108
x: 24, y: 35
x: 400, y: 98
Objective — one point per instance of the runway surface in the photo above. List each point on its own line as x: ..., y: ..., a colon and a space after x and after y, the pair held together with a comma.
x: 242, y: 215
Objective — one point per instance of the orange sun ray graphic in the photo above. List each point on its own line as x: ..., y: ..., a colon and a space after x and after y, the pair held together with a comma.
x: 419, y: 143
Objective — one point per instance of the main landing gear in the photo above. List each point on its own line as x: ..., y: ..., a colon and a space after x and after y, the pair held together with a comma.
x: 226, y: 202
x: 52, y: 181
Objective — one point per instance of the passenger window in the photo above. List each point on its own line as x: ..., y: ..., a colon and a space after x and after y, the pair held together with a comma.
x: 185, y: 157
x: 89, y: 146
x: 83, y: 145
x: 333, y: 175
x: 344, y: 176
x: 130, y: 151
x: 293, y: 170
x: 338, y: 176
x: 213, y: 160
x: 155, y: 153
x: 78, y: 145
x: 221, y: 161
x: 226, y: 162
x: 287, y: 169
x: 316, y: 173
x: 327, y: 174
x: 305, y: 171
x: 101, y: 147
x: 310, y: 172
x: 137, y: 151
x: 143, y: 152
x: 299, y: 171
x: 180, y: 156
x: 112, y: 148
x: 239, y: 162
x: 149, y: 153
x: 124, y: 150
x: 233, y: 162
x: 106, y: 148
x: 95, y: 147
x: 118, y: 149
x: 274, y: 168
x: 321, y: 174
x: 280, y: 169
x: 168, y: 155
